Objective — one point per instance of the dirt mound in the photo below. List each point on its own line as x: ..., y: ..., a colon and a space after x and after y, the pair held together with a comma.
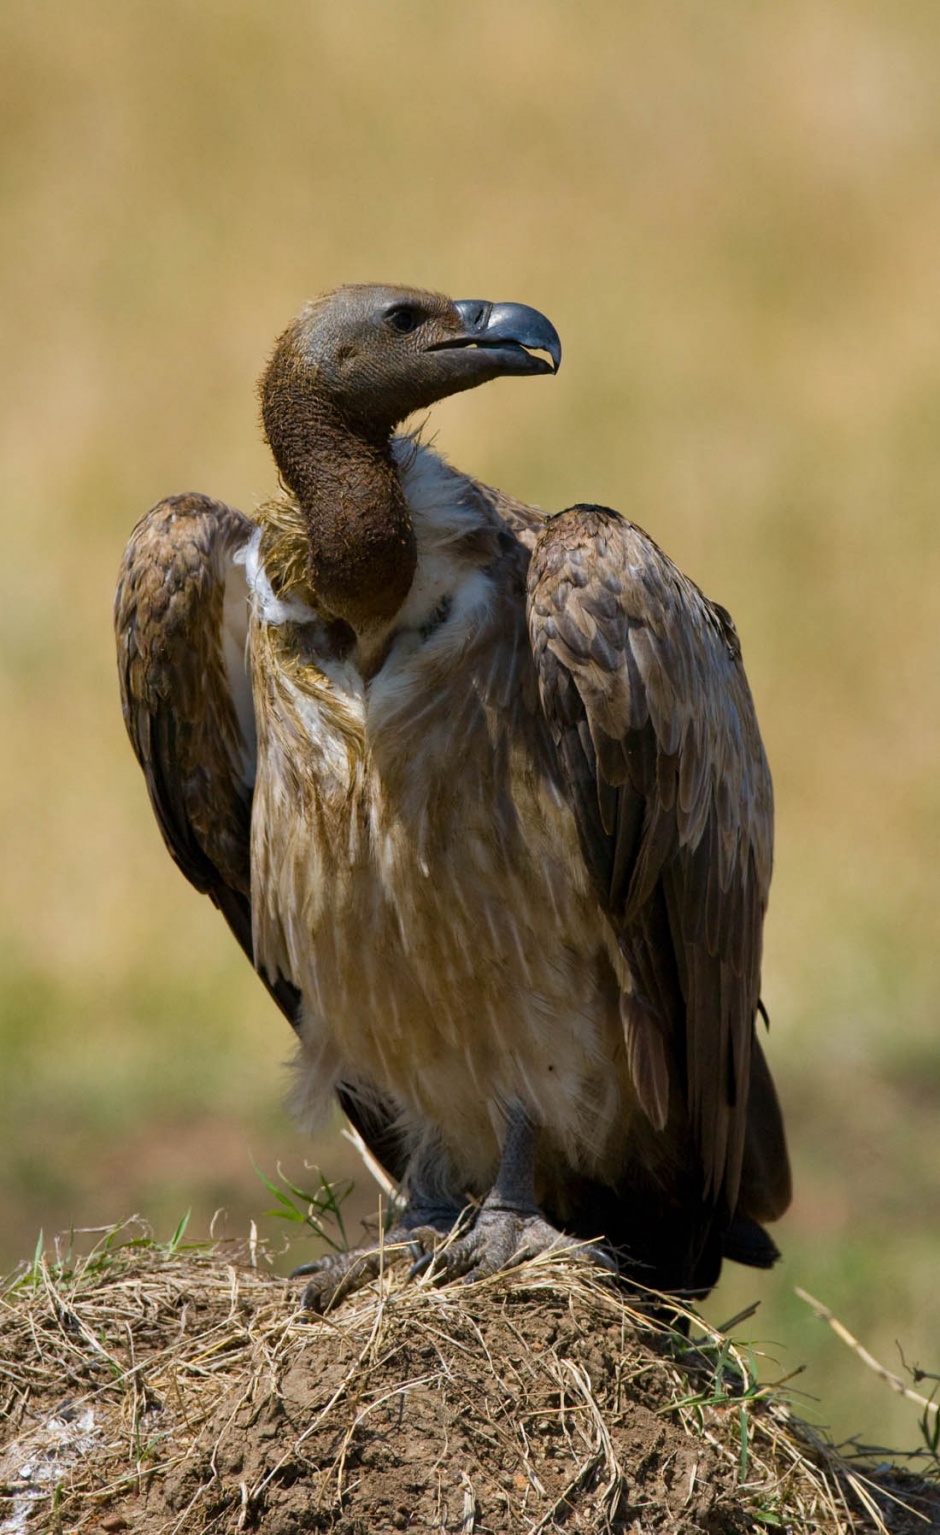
x: 157, y: 1390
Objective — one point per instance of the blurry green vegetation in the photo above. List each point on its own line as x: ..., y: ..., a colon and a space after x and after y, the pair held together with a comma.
x: 732, y: 215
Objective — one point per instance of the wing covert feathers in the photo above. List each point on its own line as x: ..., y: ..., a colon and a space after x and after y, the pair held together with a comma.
x: 180, y: 616
x: 642, y: 684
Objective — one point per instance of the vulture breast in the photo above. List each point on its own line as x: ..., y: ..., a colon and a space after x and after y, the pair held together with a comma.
x: 421, y: 875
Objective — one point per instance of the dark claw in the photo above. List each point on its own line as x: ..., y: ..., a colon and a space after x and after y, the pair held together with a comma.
x: 420, y: 1266
x: 604, y: 1259
x: 305, y: 1268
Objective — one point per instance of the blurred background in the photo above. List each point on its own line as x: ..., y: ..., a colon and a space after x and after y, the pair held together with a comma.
x: 732, y: 215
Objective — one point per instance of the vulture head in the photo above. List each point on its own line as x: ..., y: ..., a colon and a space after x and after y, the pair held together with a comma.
x: 344, y: 374
x: 376, y: 354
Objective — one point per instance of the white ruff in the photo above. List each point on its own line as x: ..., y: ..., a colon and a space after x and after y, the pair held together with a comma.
x: 271, y: 609
x: 444, y: 509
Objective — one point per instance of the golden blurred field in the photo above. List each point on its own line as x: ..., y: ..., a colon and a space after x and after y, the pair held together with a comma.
x: 732, y: 214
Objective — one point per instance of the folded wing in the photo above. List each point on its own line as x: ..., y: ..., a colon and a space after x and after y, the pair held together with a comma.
x: 181, y: 620
x: 181, y: 623
x: 642, y: 684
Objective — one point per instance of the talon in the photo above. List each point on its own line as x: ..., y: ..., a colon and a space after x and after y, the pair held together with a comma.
x: 420, y: 1266
x: 603, y: 1260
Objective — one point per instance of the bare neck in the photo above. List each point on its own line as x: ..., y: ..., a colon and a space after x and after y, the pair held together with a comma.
x: 362, y: 547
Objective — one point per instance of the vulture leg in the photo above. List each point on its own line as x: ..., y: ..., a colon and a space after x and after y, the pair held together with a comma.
x: 510, y: 1226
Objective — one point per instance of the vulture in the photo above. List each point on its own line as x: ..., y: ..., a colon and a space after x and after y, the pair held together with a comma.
x: 481, y: 793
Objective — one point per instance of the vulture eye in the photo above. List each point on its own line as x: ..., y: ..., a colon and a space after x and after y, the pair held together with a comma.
x: 403, y: 319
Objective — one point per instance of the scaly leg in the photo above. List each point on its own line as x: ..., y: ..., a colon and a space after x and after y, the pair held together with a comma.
x: 508, y: 1229
x: 510, y: 1226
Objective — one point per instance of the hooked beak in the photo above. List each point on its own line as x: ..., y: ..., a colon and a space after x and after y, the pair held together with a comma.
x: 513, y: 335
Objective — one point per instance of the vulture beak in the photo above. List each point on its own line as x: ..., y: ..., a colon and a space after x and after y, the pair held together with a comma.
x: 511, y: 333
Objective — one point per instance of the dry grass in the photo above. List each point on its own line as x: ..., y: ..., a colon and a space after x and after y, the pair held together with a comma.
x: 172, y: 1390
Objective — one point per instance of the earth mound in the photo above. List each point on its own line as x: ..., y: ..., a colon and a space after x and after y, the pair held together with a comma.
x: 159, y: 1389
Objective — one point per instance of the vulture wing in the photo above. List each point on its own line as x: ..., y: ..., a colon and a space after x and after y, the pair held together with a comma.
x: 181, y: 621
x: 642, y: 684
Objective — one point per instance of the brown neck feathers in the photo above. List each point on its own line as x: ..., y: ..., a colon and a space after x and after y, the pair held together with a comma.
x: 362, y: 547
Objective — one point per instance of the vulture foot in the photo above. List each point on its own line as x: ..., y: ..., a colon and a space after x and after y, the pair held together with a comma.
x: 510, y: 1226
x: 502, y: 1239
x: 340, y: 1274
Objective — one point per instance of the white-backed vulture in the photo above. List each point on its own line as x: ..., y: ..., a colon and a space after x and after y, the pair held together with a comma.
x: 481, y: 793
